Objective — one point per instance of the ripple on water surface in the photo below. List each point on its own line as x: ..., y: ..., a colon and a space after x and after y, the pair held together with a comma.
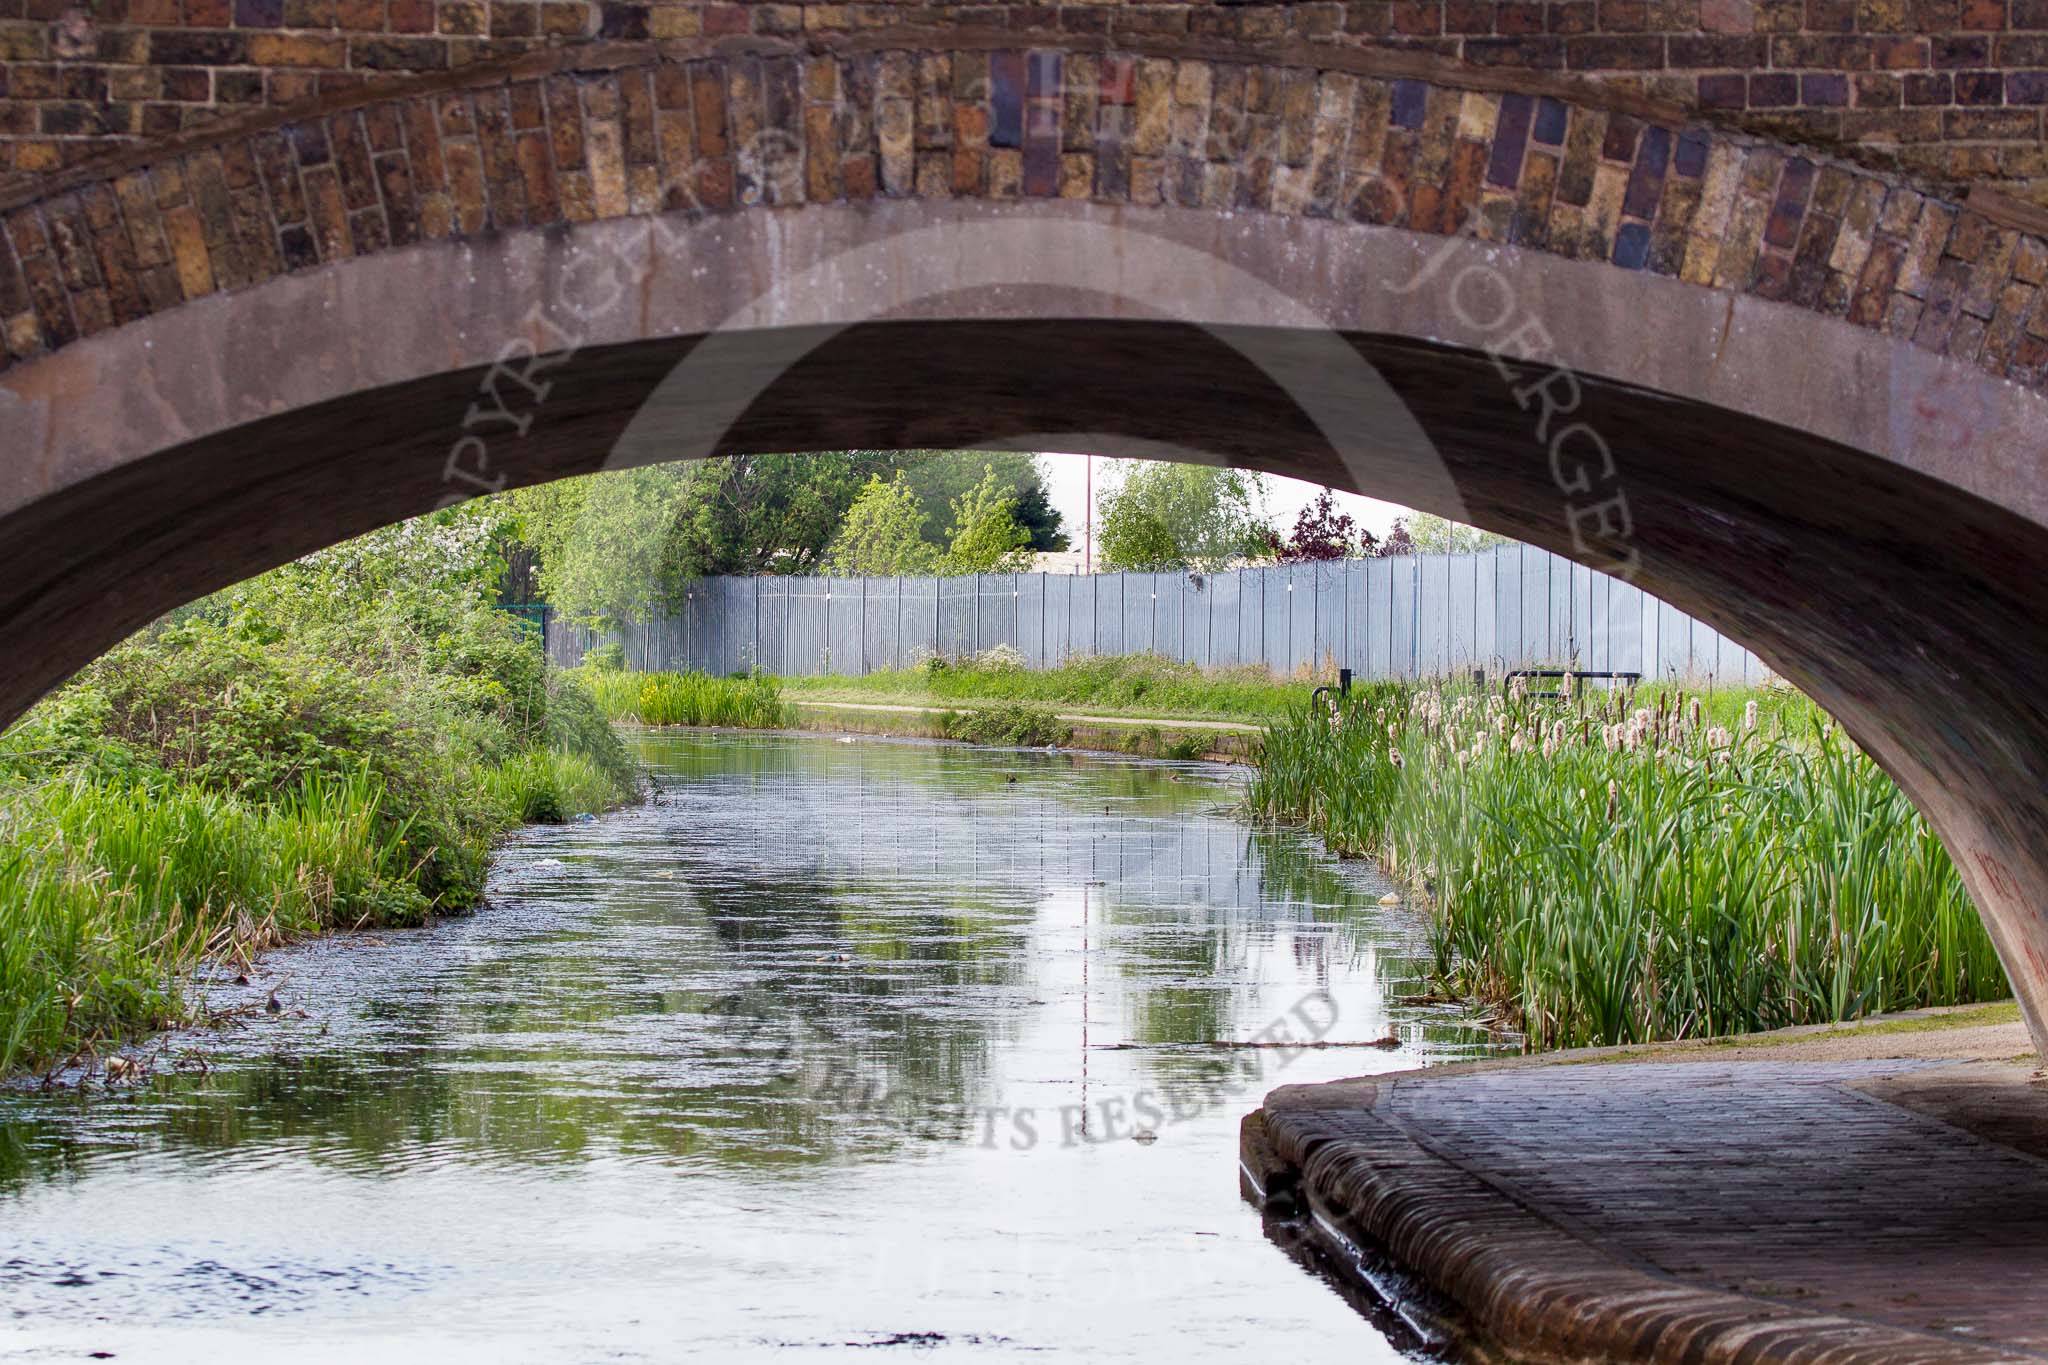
x: 827, y: 1047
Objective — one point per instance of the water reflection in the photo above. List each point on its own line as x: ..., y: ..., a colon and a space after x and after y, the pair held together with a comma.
x: 870, y: 1024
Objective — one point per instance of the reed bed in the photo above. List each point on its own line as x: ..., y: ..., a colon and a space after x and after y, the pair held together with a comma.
x: 752, y: 702
x: 1603, y: 868
x: 108, y: 892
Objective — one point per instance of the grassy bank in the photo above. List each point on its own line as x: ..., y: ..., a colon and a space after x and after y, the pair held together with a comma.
x: 744, y: 702
x: 1139, y: 685
x: 334, y: 745
x: 1612, y: 871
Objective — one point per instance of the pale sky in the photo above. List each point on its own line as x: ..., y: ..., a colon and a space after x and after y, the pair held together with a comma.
x: 1066, y: 477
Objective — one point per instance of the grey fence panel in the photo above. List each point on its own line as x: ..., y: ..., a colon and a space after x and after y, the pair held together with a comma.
x: 1327, y: 642
x: 1223, y: 591
x: 1484, y: 618
x: 846, y: 626
x: 766, y: 645
x: 1276, y: 619
x: 879, y: 615
x: 807, y: 623
x: 1057, y: 615
x: 1674, y: 642
x: 1031, y: 619
x: 917, y: 631
x: 1081, y: 611
x: 1432, y: 605
x: 958, y: 602
x: 1251, y: 616
x: 1402, y: 634
x: 995, y: 613
x: 1378, y: 596
x: 1196, y: 598
x: 1301, y: 616
x: 1507, y: 604
x: 1508, y: 607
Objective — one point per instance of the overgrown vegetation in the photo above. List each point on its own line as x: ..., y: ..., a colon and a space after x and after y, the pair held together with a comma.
x: 1015, y: 724
x: 751, y: 702
x: 1613, y: 869
x: 331, y: 745
x: 1141, y: 685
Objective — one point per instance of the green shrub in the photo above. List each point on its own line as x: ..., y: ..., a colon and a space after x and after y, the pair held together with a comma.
x: 1015, y: 724
x: 605, y: 658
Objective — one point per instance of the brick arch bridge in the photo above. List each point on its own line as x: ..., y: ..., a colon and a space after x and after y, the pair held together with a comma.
x: 1796, y: 394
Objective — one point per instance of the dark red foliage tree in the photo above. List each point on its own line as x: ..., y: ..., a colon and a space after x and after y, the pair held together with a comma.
x: 1322, y: 532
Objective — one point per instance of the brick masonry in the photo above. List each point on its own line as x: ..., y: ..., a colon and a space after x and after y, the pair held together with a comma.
x: 1684, y: 1211
x: 1954, y: 87
x: 610, y: 130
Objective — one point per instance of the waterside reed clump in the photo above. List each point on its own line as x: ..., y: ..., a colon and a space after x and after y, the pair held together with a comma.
x: 1603, y: 868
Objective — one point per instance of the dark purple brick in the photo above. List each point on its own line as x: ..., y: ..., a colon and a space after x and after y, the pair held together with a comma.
x: 1646, y: 181
x: 1510, y: 140
x: 1777, y: 90
x: 2026, y: 87
x: 1551, y: 117
x: 1006, y: 99
x: 1632, y: 246
x: 1825, y: 89
x: 259, y: 13
x: 1620, y: 142
x: 1410, y: 100
x: 1782, y: 230
x: 1044, y: 79
x: 1723, y: 92
x: 1980, y: 87
x: 1691, y: 161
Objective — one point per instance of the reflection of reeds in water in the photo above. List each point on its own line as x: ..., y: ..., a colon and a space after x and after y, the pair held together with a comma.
x: 1613, y: 871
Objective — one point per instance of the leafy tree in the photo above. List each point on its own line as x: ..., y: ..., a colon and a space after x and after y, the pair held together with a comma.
x: 1162, y: 517
x: 986, y: 537
x: 751, y: 514
x: 607, y: 547
x: 883, y: 533
x: 940, y: 477
x: 1321, y: 532
x: 1440, y: 535
x: 1398, y: 541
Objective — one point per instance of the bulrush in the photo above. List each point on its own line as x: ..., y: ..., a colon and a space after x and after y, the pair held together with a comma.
x: 1631, y: 867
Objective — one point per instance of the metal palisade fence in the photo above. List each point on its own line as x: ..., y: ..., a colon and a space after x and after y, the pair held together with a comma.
x: 1513, y: 606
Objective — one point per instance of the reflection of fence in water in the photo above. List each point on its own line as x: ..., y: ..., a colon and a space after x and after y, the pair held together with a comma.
x: 1509, y: 607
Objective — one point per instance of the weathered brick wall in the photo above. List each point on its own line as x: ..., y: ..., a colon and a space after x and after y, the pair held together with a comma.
x: 601, y: 132
x: 1950, y: 87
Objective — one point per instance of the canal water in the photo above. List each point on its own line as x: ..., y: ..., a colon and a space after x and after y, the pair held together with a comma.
x: 831, y: 1048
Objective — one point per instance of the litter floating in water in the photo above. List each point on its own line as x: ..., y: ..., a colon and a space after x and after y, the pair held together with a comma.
x: 1390, y: 899
x: 547, y: 865
x: 586, y: 818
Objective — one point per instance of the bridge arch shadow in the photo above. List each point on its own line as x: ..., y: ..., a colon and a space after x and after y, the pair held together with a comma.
x: 1859, y: 512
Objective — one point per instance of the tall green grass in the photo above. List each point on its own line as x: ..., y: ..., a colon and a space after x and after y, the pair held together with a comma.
x: 108, y: 891
x: 1145, y: 685
x: 751, y: 702
x: 1609, y: 870
x: 548, y: 786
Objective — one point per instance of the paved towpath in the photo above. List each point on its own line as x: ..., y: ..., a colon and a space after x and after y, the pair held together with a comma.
x: 1752, y: 1210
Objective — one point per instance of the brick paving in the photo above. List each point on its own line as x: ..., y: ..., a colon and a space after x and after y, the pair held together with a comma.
x: 1744, y: 1210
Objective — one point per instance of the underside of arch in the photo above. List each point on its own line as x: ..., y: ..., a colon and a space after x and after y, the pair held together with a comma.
x: 1797, y: 483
